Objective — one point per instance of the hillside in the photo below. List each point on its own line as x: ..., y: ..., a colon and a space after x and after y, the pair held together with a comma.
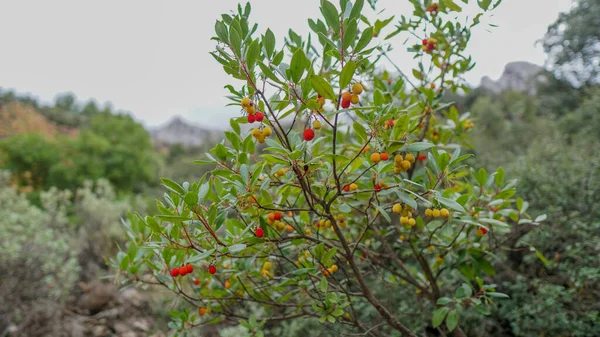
x: 19, y: 118
x: 180, y: 131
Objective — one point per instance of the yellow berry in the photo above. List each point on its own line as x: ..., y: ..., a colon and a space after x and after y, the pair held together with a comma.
x: 428, y: 212
x: 227, y: 284
x: 327, y: 223
x: 357, y: 88
x: 398, y: 159
x: 245, y: 102
x: 256, y: 133
x: 410, y: 158
x: 354, y: 99
x: 375, y: 157
x: 340, y: 217
x: 431, y: 248
x: 334, y: 268
x: 412, y: 222
x: 436, y: 213
x: 267, y: 131
x: 397, y: 170
x: 402, y: 237
x: 397, y: 208
x: 444, y: 212
x: 405, y: 165
x: 439, y: 259
x: 250, y: 109
x: 307, y: 231
x: 317, y: 125
x: 353, y: 187
x: 404, y: 220
x: 261, y: 138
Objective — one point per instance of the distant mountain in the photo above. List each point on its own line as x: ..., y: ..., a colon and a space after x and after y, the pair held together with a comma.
x: 519, y: 76
x: 178, y: 130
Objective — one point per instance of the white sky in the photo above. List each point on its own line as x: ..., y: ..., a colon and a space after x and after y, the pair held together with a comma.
x: 151, y: 58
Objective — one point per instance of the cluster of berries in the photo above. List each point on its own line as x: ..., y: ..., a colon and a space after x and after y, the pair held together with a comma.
x: 266, y: 270
x: 274, y: 219
x: 203, y: 311
x: 182, y: 270
x: 429, y: 45
x: 406, y: 216
x: 352, y: 97
x: 329, y: 271
x: 261, y: 135
x: 376, y: 157
x: 436, y: 213
x: 403, y: 164
x: 350, y: 187
x: 253, y: 116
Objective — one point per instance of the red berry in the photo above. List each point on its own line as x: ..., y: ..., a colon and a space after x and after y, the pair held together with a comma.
x: 259, y: 232
x: 483, y: 230
x: 196, y: 281
x: 309, y: 134
x: 259, y: 116
x: 384, y: 156
x: 390, y: 123
x: 347, y: 188
x: 345, y: 104
x: 425, y: 42
x: 183, y: 271
x: 377, y: 187
x: 251, y: 118
x: 422, y: 157
x: 277, y: 216
x: 189, y: 268
x: 174, y: 272
x: 212, y: 269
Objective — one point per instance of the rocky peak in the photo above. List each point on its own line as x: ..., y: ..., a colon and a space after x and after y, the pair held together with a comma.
x: 519, y: 76
x: 178, y: 130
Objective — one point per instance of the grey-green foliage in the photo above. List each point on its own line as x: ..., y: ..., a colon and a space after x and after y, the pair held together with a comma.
x: 35, y: 238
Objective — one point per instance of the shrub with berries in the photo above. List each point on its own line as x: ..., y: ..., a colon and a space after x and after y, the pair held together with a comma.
x: 361, y: 193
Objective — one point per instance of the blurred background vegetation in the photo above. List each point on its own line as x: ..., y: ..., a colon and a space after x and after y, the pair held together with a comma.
x: 70, y: 171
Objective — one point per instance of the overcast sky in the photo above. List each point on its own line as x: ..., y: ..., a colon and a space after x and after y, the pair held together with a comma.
x: 151, y: 57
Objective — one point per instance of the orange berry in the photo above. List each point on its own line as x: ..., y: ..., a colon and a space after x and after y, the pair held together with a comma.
x: 375, y: 157
x: 346, y: 96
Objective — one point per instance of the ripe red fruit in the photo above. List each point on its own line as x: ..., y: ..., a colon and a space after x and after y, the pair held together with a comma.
x: 259, y: 232
x: 345, y: 104
x: 174, y: 272
x: 309, y: 134
x: 347, y: 188
x: 422, y: 157
x: 183, y: 271
x: 259, y: 116
x: 384, y: 156
x: 377, y: 187
x: 425, y: 42
x: 277, y: 216
x: 390, y: 123
x: 251, y: 118
x: 196, y: 281
x: 189, y: 268
x: 483, y: 230
x: 212, y: 269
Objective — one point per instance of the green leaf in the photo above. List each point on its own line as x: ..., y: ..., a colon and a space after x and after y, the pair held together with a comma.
x: 201, y: 257
x: 350, y: 34
x: 124, y: 262
x: 173, y: 218
x: 269, y: 43
x: 357, y: 9
x: 365, y: 39
x: 450, y: 4
x: 452, y: 320
x: 322, y: 87
x: 438, y: 316
x: 417, y: 147
x: 237, y: 248
x: 328, y: 256
x: 541, y: 218
x: 347, y: 73
x: 191, y: 198
x: 443, y: 301
x: 331, y: 15
x: 484, y: 4
x: 298, y: 65
x: 360, y: 131
x: 252, y: 54
x: 221, y: 30
x: 497, y: 295
x: 323, y: 285
x: 236, y: 42
x: 221, y: 151
x: 541, y: 257
x: 494, y: 222
x: 451, y: 203
x: 173, y: 186
x: 499, y: 176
